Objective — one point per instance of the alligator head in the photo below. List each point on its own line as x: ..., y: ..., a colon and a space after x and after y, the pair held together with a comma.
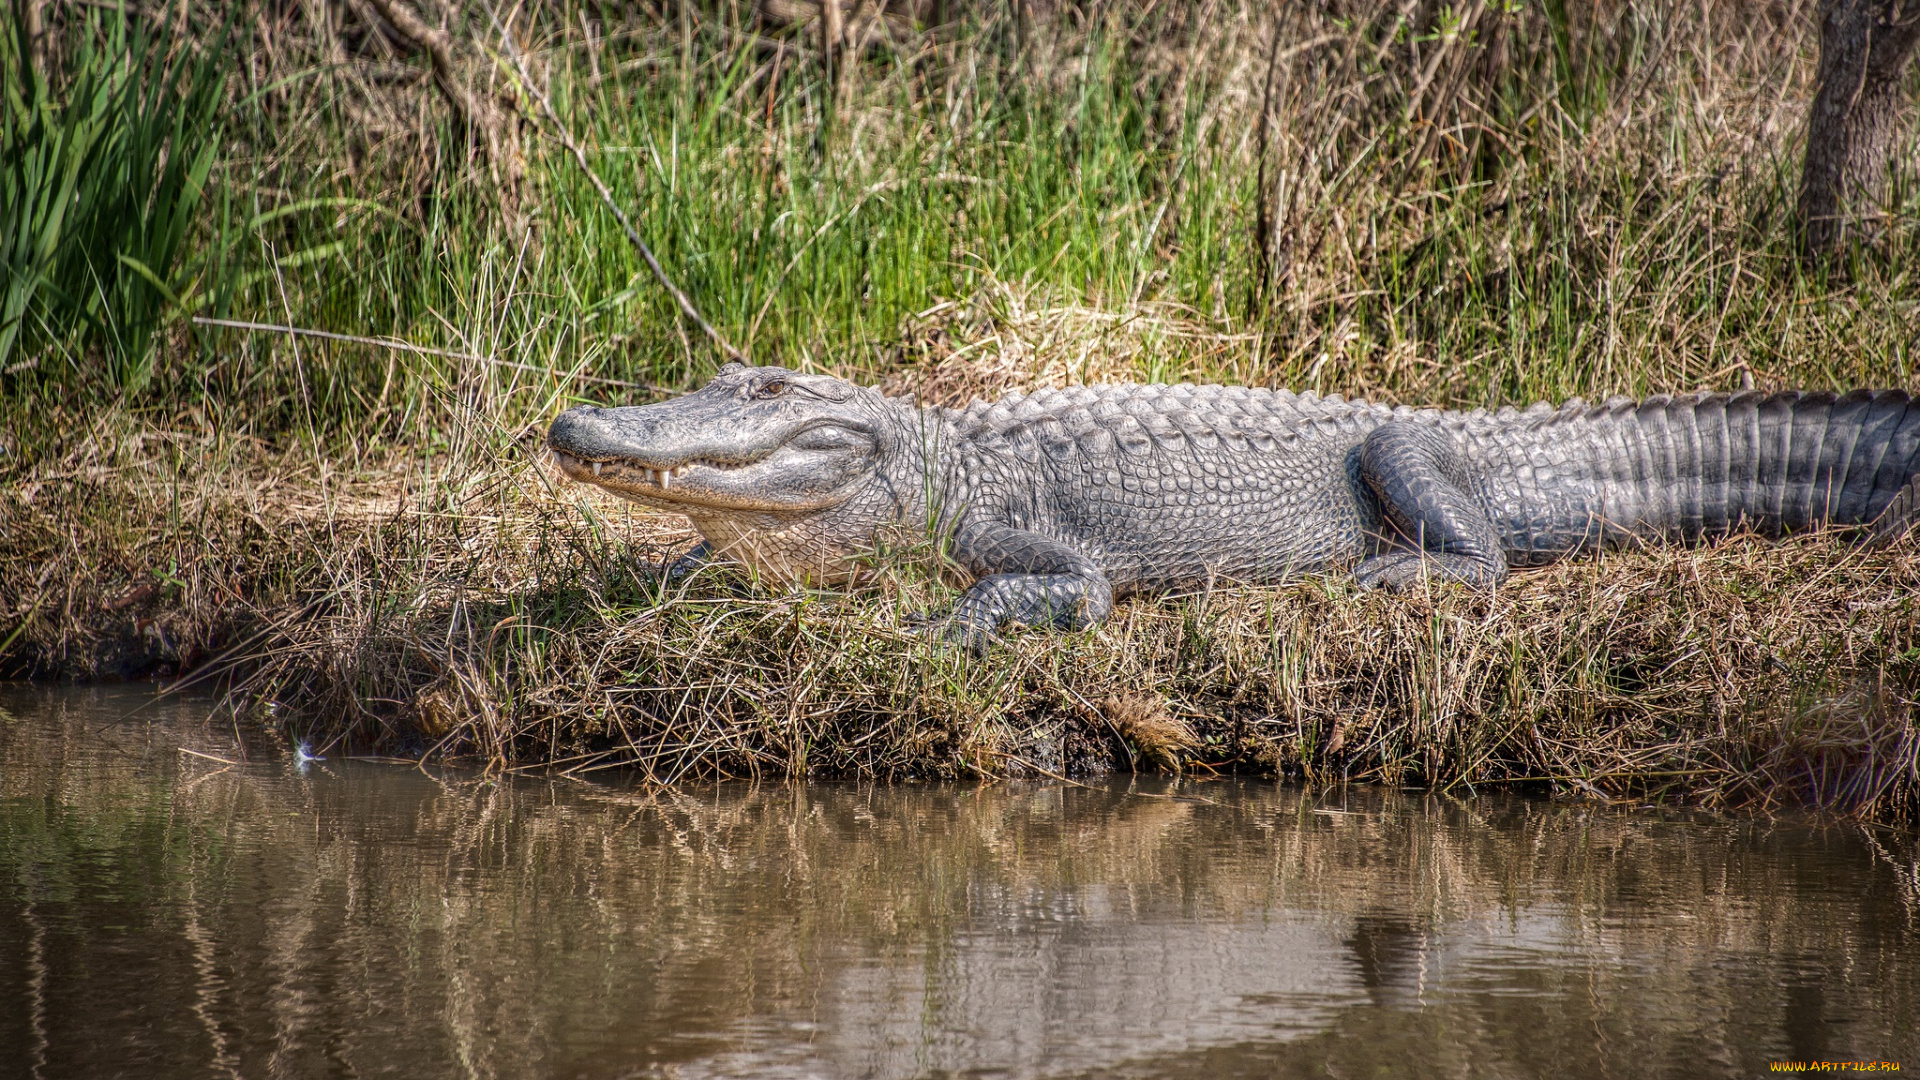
x: 779, y: 467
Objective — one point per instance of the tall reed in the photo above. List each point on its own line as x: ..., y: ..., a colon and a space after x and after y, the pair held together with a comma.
x: 103, y: 166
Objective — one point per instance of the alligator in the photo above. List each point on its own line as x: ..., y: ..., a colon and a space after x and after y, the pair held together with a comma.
x: 1056, y: 502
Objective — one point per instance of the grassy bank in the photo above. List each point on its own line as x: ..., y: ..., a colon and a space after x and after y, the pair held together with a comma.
x: 1458, y: 208
x: 501, y: 619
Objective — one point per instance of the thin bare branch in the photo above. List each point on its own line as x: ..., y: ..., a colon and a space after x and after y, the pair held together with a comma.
x: 475, y: 113
x: 407, y: 346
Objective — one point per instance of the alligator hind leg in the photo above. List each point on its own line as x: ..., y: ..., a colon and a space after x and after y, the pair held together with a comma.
x: 1423, y: 487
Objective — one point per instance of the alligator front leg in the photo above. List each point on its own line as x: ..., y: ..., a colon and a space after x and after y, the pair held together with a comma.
x: 1423, y: 487
x: 1025, y: 578
x: 695, y: 557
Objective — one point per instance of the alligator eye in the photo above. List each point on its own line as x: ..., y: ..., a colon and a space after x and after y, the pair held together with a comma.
x: 771, y: 388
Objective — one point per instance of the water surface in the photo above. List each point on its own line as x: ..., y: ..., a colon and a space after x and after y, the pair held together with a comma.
x: 165, y: 914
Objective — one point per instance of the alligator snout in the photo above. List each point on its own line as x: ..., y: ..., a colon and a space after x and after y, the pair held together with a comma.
x: 590, y: 432
x: 571, y: 429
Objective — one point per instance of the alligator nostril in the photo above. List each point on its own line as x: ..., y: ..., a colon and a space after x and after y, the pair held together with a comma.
x: 571, y: 426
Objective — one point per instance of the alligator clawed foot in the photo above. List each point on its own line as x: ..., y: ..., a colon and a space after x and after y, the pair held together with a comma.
x: 1404, y: 571
x: 673, y: 570
x: 1396, y: 571
x: 947, y: 630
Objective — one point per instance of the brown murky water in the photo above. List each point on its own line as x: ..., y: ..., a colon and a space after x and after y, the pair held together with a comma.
x: 163, y: 914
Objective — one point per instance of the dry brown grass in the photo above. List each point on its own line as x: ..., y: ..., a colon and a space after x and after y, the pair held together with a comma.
x: 1152, y: 735
x: 1005, y: 338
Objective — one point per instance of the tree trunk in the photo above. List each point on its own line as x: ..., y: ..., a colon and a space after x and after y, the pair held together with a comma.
x: 1857, y: 106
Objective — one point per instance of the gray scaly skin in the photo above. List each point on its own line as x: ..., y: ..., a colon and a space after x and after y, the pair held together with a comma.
x: 1059, y: 501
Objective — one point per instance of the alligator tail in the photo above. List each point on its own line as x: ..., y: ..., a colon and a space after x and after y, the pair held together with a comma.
x: 1780, y: 463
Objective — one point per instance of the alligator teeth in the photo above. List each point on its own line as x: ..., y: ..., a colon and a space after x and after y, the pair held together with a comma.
x: 666, y: 479
x: 596, y: 468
